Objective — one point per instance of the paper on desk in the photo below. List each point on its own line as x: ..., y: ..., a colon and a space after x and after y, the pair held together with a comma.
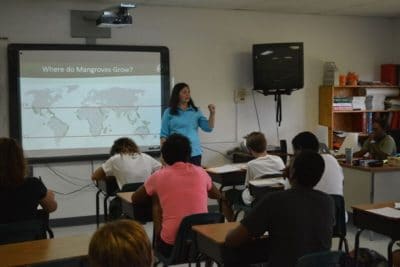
x: 267, y: 182
x: 228, y: 168
x: 387, y: 211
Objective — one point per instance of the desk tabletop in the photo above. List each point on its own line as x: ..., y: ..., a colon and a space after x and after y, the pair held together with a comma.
x: 366, y: 207
x: 228, y: 168
x: 125, y: 196
x: 384, y: 168
x: 42, y: 251
x: 216, y: 232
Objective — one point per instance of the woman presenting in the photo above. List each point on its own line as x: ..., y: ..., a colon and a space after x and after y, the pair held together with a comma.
x: 183, y: 117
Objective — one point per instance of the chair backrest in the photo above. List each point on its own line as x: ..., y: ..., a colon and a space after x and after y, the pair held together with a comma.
x: 321, y: 259
x: 339, y: 229
x: 131, y: 187
x: 185, y: 248
x: 22, y: 231
x: 143, y: 211
x: 108, y: 185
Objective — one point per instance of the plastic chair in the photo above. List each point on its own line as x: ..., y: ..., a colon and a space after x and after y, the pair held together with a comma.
x: 321, y: 259
x: 395, y: 133
x: 184, y: 250
x: 22, y: 231
x: 257, y: 193
x: 339, y: 229
x: 108, y: 188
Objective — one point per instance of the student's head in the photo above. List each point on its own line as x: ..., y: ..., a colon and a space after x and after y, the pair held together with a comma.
x: 379, y: 128
x: 180, y: 95
x: 306, y: 169
x: 176, y: 148
x: 256, y: 142
x: 12, y: 163
x: 305, y: 140
x: 122, y: 243
x: 124, y: 145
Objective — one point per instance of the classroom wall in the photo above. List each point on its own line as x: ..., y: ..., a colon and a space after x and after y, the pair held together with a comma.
x: 211, y: 51
x: 396, y: 42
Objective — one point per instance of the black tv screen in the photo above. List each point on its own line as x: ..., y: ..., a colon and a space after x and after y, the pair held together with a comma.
x: 71, y: 102
x: 278, y: 67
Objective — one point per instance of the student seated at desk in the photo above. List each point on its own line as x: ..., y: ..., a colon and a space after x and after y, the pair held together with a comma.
x: 263, y: 164
x: 181, y: 188
x: 127, y: 164
x: 20, y: 196
x: 121, y: 243
x: 299, y: 220
x: 332, y: 179
x: 379, y: 145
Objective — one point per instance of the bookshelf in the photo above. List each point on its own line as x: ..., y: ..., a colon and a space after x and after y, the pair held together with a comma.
x: 345, y: 120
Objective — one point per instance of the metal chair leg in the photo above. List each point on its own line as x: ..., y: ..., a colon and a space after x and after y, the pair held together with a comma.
x: 105, y: 208
x: 357, y: 245
x: 390, y: 253
x: 98, y: 208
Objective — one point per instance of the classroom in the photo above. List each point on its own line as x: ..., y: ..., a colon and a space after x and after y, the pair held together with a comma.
x: 210, y: 48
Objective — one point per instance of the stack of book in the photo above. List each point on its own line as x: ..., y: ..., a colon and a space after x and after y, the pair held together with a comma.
x: 358, y: 102
x: 392, y: 104
x: 342, y: 103
x: 375, y: 102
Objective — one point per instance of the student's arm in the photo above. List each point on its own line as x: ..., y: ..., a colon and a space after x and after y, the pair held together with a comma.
x: 360, y: 153
x: 140, y: 195
x: 214, y: 193
x: 237, y: 236
x: 48, y: 203
x: 165, y: 131
x: 226, y: 208
x: 98, y: 174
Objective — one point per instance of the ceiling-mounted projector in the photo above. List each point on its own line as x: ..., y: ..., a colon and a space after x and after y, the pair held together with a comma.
x: 115, y: 17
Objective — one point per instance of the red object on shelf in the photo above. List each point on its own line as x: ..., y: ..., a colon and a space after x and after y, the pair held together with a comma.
x: 389, y: 73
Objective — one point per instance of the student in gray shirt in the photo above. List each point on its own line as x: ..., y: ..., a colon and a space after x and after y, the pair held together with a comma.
x: 299, y: 220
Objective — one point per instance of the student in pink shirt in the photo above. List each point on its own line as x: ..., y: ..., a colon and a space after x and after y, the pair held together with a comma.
x: 181, y: 187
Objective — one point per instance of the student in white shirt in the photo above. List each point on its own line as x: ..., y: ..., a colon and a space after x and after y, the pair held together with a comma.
x: 332, y: 179
x: 263, y: 164
x: 127, y: 164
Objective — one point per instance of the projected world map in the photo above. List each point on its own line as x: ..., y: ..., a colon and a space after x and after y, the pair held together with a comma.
x: 73, y: 111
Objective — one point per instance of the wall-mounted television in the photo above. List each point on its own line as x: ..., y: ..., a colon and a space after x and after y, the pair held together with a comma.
x: 278, y: 68
x: 70, y: 102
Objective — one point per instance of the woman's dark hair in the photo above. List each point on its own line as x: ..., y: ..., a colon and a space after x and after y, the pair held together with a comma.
x: 174, y: 99
x: 308, y: 168
x: 12, y: 163
x: 124, y: 145
x: 305, y: 140
x: 176, y: 148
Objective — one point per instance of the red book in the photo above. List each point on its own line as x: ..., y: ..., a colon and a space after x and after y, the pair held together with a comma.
x: 389, y: 74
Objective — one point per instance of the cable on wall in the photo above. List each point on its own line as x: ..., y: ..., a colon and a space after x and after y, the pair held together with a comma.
x: 255, y: 107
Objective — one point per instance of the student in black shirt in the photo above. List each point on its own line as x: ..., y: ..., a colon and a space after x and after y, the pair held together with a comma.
x: 299, y: 220
x: 20, y: 196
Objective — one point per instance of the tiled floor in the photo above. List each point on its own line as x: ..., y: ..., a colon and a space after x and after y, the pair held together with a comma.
x: 378, y: 242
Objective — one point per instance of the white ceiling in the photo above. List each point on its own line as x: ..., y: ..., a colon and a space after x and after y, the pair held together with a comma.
x: 370, y: 8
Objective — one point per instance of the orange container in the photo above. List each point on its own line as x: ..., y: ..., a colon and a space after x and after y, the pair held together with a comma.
x: 342, y: 80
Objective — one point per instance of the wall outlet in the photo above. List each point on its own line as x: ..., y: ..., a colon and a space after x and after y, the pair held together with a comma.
x: 240, y: 95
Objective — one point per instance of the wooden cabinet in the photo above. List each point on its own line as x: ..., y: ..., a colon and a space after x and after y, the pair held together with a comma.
x: 343, y: 120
